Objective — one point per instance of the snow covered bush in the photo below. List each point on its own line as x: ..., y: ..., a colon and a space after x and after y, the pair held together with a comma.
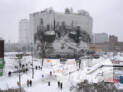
x: 94, y: 87
x: 12, y: 90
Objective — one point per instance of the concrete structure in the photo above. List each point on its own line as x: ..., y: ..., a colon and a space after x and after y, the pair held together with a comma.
x: 113, y: 39
x: 50, y: 19
x: 100, y: 46
x: 119, y: 46
x: 1, y: 56
x: 24, y: 31
x: 62, y: 24
x: 113, y: 42
x: 100, y: 38
x: 112, y: 45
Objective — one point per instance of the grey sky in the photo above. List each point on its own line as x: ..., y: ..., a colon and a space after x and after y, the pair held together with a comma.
x: 107, y: 14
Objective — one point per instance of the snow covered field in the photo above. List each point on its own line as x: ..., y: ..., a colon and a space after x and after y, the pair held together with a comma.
x: 39, y: 83
x: 68, y: 73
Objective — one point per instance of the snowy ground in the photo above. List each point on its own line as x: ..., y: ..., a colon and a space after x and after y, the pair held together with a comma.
x: 39, y: 82
x: 60, y: 73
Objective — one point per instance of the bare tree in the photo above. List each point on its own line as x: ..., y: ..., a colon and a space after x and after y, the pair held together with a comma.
x: 44, y: 47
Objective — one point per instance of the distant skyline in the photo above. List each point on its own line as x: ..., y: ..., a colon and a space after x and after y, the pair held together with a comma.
x: 107, y: 14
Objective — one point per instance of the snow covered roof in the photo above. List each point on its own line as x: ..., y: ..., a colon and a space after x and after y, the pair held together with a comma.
x: 50, y: 33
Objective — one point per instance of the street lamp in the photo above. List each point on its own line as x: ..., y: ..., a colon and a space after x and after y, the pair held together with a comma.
x: 19, y: 56
x: 32, y: 60
x: 79, y: 63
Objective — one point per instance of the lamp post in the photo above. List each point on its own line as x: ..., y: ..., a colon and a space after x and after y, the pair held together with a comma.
x: 19, y: 56
x: 79, y: 63
x: 32, y: 60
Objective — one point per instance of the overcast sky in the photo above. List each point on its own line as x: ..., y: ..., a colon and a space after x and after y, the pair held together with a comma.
x: 107, y: 14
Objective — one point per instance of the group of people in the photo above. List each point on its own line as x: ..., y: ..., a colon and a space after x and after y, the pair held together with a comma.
x: 29, y: 83
x: 36, y: 67
x: 23, y: 65
x: 60, y: 85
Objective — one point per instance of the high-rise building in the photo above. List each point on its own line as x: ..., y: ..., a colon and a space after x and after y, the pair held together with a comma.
x: 24, y: 31
x: 100, y: 38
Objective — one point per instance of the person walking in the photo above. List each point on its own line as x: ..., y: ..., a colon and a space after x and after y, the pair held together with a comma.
x: 9, y: 73
x: 49, y: 83
x: 50, y: 73
x: 61, y: 85
x: 27, y: 83
x: 36, y: 67
x: 30, y: 82
x: 26, y: 70
x: 58, y: 84
x: 39, y: 67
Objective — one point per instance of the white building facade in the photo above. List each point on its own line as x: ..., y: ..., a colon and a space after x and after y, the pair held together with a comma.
x: 24, y: 31
x: 100, y: 38
x: 83, y: 20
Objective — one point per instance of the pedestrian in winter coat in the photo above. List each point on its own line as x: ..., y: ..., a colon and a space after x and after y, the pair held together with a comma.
x: 49, y: 83
x: 9, y: 73
x: 50, y: 73
x: 27, y: 83
x: 23, y: 66
x: 26, y: 70
x: 20, y: 65
x: 36, y: 67
x: 61, y: 85
x: 58, y: 84
x: 30, y: 82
